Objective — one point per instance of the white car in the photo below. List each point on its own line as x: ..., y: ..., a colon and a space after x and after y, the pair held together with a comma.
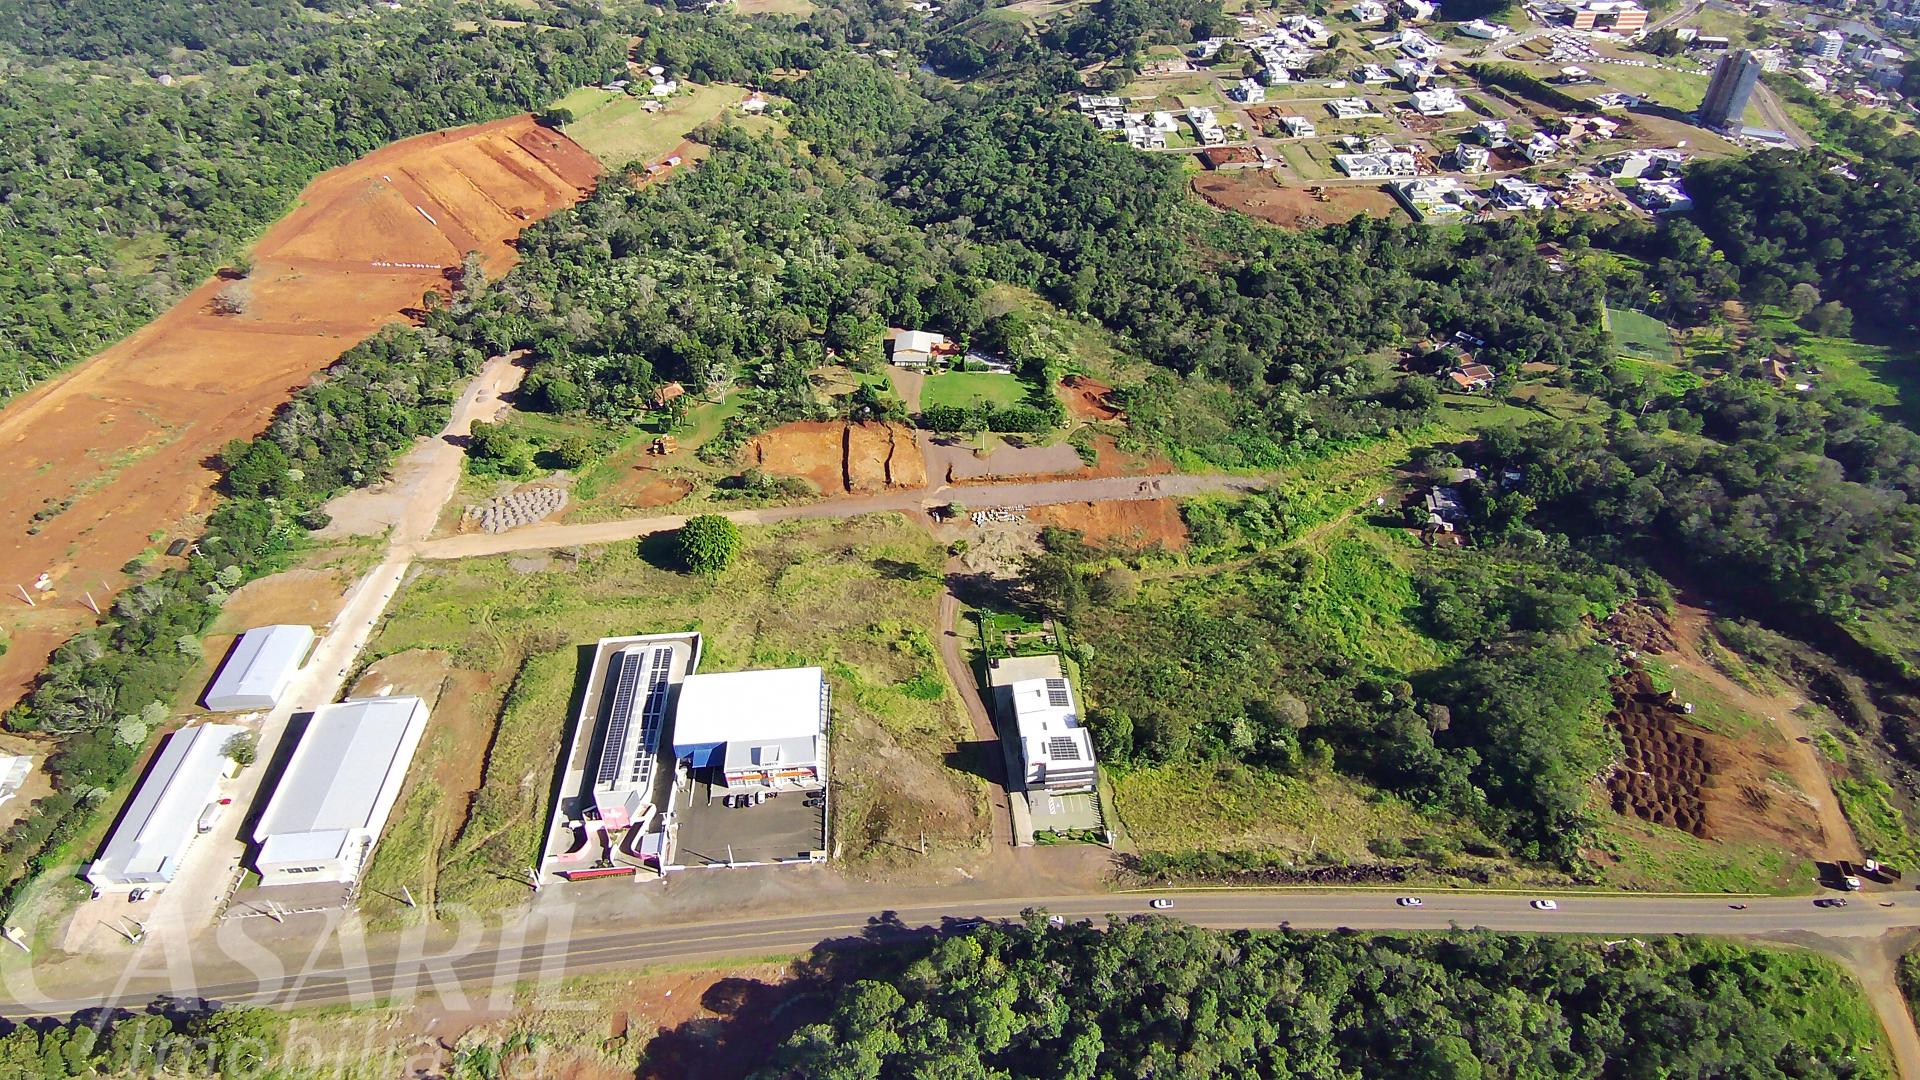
x: 1411, y: 901
x: 1056, y: 920
x: 1546, y: 905
x: 1161, y: 904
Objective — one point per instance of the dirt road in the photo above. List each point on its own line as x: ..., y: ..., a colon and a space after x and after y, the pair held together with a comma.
x: 1042, y: 493
x: 964, y: 681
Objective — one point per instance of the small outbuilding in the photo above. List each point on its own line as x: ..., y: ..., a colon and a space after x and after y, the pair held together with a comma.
x: 259, y: 669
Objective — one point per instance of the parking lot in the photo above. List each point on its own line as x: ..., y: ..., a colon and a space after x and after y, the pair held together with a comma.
x: 781, y: 828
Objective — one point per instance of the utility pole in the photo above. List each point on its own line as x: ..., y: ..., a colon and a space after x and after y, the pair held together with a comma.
x: 406, y: 896
x: 729, y: 856
x: 533, y: 877
x: 89, y: 595
x: 24, y: 594
x: 12, y: 934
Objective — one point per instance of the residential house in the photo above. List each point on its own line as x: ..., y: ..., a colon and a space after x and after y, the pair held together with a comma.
x: 1439, y: 102
x: 917, y: 348
x: 1377, y: 166
x: 1469, y: 158
x: 1513, y: 193
x: 1435, y: 196
x: 1540, y: 147
x: 1298, y: 126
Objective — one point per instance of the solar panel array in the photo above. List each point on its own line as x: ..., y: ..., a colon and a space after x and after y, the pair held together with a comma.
x: 1060, y: 748
x: 655, y: 665
x: 1057, y: 694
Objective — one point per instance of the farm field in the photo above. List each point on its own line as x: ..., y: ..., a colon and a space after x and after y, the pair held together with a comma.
x: 616, y: 129
x: 854, y: 597
x: 110, y: 460
x: 1641, y: 335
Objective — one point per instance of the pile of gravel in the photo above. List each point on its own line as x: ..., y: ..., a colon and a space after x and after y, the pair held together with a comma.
x: 516, y: 509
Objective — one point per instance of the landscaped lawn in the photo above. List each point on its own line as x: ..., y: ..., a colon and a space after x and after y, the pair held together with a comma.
x: 1637, y: 334
x: 617, y: 130
x: 966, y: 389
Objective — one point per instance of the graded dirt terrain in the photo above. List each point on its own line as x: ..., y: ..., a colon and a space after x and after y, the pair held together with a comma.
x: 1255, y: 194
x: 1144, y: 524
x: 841, y: 458
x: 1090, y: 399
x: 113, y: 457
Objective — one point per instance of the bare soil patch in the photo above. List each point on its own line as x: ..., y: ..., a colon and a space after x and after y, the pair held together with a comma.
x: 126, y: 437
x: 841, y: 458
x: 1677, y: 774
x: 1090, y: 399
x: 461, y: 706
x: 718, y: 1024
x: 1145, y: 524
x: 643, y: 488
x: 1257, y: 194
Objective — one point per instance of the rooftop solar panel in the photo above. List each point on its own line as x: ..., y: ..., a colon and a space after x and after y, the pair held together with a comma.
x: 1057, y: 694
x: 1060, y: 748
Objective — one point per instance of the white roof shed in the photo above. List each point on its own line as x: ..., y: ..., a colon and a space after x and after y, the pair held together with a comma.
x: 340, y: 784
x: 259, y: 669
x: 162, y: 817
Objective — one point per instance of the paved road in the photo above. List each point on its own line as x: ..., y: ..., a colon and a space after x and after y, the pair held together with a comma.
x: 483, y: 962
x: 1037, y: 493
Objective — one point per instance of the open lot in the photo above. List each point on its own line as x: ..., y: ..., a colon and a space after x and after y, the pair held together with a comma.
x: 617, y: 128
x: 1640, y: 335
x: 853, y: 597
x: 1256, y: 194
x: 113, y: 456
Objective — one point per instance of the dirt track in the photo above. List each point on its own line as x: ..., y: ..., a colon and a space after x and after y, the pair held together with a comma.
x: 116, y: 451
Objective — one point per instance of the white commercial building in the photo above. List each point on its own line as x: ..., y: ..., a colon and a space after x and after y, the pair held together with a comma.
x: 755, y: 728
x: 1484, y: 30
x: 260, y: 668
x: 341, y: 782
x: 166, y: 810
x: 1055, y: 746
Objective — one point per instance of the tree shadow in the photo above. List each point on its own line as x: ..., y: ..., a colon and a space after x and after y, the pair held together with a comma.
x: 752, y: 1018
x: 979, y: 757
x: 661, y: 551
x: 985, y: 591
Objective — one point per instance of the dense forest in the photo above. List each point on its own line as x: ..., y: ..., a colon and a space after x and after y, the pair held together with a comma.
x: 1794, y: 219
x: 122, y: 191
x: 1149, y: 997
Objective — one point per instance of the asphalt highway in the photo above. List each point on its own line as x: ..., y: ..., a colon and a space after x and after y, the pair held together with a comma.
x: 484, y: 963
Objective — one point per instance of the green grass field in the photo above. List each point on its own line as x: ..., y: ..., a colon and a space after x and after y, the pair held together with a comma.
x: 854, y: 597
x: 966, y: 389
x: 1882, y: 375
x: 615, y: 128
x: 1640, y: 335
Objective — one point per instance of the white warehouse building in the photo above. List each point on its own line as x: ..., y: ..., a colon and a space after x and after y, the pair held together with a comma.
x: 260, y: 668
x: 340, y: 784
x: 755, y: 728
x: 166, y: 810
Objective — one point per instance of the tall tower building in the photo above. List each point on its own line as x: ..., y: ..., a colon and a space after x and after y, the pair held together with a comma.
x: 1733, y: 81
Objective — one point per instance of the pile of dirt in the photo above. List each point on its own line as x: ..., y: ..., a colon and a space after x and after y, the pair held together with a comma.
x: 1664, y: 776
x: 1090, y: 399
x: 1147, y: 523
x: 839, y: 457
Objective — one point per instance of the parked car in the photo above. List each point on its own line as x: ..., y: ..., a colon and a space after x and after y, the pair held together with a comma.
x: 1546, y: 905
x: 1411, y: 901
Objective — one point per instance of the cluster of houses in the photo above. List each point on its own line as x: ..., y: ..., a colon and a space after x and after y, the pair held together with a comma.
x: 1148, y: 130
x: 1282, y: 51
x: 1657, y: 186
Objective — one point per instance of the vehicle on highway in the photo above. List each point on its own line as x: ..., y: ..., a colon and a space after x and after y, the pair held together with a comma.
x: 1831, y: 901
x: 1161, y: 903
x: 1546, y: 905
x: 1738, y: 907
x: 1056, y: 920
x: 1410, y: 901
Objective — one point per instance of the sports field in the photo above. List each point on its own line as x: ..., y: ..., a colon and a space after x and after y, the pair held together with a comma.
x: 965, y: 389
x: 1644, y: 336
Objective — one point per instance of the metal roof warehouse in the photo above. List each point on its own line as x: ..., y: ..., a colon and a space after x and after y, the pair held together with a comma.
x: 257, y: 672
x: 162, y: 817
x: 332, y: 801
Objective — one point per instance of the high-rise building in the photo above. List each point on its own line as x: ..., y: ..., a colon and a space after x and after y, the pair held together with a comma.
x: 1827, y: 44
x: 1733, y: 81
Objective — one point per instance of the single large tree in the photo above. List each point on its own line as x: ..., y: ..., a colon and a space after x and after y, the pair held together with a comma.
x: 708, y: 543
